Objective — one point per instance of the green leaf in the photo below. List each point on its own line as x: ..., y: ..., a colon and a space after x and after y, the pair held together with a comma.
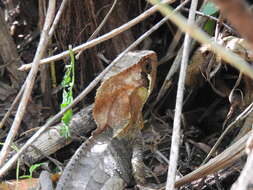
x: 24, y: 177
x: 67, y: 117
x: 64, y: 131
x: 34, y: 167
x: 209, y: 8
x: 67, y: 94
x: 31, y: 170
x: 209, y: 27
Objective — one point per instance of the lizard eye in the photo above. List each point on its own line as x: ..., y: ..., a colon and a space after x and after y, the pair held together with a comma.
x: 147, y: 67
x: 145, y: 79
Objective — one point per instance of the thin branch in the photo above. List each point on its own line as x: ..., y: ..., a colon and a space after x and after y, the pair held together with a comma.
x: 245, y: 180
x: 8, y: 113
x: 196, y: 33
x: 242, y: 116
x: 175, y: 65
x: 240, y: 16
x: 51, y: 121
x: 29, y: 83
x: 95, y: 33
x: 56, y: 20
x: 175, y: 142
x: 212, y: 18
x: 100, y: 39
x: 224, y: 159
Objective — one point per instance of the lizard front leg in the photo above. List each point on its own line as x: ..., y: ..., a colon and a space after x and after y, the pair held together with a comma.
x: 137, y: 161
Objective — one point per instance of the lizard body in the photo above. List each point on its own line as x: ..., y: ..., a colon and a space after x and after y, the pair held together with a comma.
x: 105, y: 160
x: 97, y: 163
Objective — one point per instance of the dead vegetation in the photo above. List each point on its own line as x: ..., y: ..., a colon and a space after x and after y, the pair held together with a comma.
x: 215, y: 93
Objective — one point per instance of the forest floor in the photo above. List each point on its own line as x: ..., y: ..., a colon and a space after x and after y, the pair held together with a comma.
x: 215, y: 92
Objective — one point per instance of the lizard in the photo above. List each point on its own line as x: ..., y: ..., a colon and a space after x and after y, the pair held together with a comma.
x: 111, y: 157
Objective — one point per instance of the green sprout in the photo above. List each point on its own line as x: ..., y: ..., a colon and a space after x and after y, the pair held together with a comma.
x: 31, y: 170
x: 67, y: 95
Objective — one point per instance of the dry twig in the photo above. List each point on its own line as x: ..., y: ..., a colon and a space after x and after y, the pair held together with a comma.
x: 51, y: 31
x: 100, y: 39
x: 239, y: 15
x: 95, y: 33
x: 205, y: 39
x: 228, y: 156
x: 175, y: 142
x: 29, y: 83
x: 14, y: 103
x: 51, y: 121
x: 245, y: 180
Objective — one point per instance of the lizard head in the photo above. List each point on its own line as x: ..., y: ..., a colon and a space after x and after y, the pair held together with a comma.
x: 148, y: 69
x: 124, y: 91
